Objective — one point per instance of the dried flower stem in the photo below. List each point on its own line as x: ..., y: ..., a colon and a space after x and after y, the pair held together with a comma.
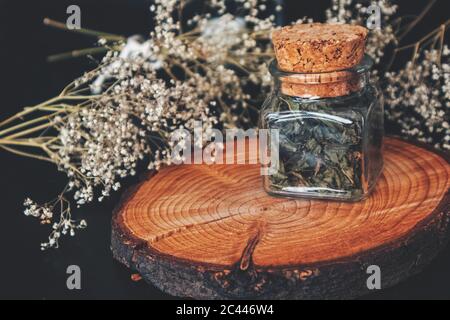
x: 419, y: 18
x: 24, y: 154
x: 437, y: 34
x: 59, y: 25
x: 77, y: 53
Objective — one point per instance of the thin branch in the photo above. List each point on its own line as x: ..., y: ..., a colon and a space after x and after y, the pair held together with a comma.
x: 27, y: 111
x: 59, y: 25
x: 441, y: 43
x: 76, y: 54
x: 26, y: 154
x: 418, y: 19
x: 20, y: 142
x: 425, y: 40
x: 30, y: 122
x: 29, y: 131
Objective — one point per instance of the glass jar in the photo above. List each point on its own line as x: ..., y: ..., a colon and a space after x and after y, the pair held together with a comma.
x: 330, y: 133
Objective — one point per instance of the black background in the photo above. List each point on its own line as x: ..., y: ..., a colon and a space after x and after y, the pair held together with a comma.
x: 26, y: 79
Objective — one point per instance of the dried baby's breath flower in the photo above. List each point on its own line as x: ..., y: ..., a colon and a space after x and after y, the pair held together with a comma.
x: 64, y: 225
x: 191, y: 68
x: 418, y: 98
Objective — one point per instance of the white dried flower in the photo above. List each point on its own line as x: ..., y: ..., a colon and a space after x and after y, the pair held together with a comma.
x: 418, y: 98
x: 147, y: 89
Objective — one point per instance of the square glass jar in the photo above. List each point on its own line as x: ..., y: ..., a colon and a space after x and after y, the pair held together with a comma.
x: 330, y: 133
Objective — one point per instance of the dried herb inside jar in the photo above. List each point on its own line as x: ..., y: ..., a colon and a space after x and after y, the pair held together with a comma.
x: 320, y: 147
x: 327, y: 111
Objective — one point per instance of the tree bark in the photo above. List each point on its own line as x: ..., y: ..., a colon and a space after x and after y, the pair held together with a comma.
x: 211, y: 232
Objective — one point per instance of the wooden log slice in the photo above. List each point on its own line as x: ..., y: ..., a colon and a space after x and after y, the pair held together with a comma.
x: 211, y: 232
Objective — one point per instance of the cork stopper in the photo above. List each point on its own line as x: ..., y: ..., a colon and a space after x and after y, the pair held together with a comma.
x: 320, y: 54
x: 317, y: 47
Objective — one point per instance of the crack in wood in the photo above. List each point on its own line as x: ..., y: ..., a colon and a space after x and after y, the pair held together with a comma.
x: 243, y: 276
x: 247, y: 254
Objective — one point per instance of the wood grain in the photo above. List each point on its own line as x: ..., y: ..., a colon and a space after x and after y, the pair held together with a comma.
x: 210, y: 231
